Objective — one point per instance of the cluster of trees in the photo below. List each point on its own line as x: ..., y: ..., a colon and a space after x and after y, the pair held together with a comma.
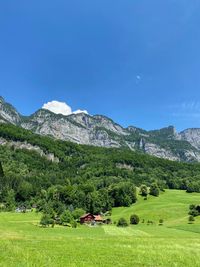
x: 65, y: 218
x: 58, y: 199
x: 154, y: 190
x: 92, y: 178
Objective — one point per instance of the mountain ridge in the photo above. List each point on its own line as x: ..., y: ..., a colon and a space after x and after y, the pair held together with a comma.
x: 99, y: 130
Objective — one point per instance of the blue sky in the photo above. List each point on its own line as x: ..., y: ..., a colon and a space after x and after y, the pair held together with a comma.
x: 137, y: 62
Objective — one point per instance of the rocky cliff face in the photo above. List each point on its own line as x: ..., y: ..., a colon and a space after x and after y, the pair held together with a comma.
x: 192, y: 136
x: 8, y: 113
x: 101, y: 131
x: 27, y: 146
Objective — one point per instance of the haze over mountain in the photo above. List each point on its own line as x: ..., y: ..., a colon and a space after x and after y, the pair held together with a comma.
x: 98, y: 130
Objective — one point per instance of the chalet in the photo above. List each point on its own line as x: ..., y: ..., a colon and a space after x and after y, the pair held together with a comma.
x: 89, y: 218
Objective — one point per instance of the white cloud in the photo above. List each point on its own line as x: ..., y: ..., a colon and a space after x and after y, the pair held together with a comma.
x: 58, y: 107
x: 61, y: 108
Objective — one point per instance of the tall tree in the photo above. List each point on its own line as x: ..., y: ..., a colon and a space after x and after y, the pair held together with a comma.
x: 1, y: 170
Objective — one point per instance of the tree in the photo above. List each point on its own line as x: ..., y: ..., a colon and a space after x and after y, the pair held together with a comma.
x: 123, y: 194
x: 10, y: 200
x: 134, y: 219
x: 1, y: 170
x: 66, y: 218
x: 24, y: 191
x: 161, y: 221
x: 191, y: 219
x: 154, y: 190
x: 122, y: 223
x: 77, y: 213
x: 194, y: 210
x: 143, y: 190
x: 193, y: 187
x: 46, y: 220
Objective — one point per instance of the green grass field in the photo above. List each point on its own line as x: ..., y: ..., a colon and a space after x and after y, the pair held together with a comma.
x: 176, y: 243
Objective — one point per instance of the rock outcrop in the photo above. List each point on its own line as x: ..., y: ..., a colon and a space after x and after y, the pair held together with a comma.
x: 99, y: 130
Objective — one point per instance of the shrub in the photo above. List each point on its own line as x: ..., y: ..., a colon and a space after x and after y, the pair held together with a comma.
x: 66, y: 218
x: 191, y: 219
x: 77, y: 213
x: 74, y: 224
x: 108, y: 221
x: 134, y: 219
x: 46, y: 220
x: 194, y: 210
x: 122, y: 223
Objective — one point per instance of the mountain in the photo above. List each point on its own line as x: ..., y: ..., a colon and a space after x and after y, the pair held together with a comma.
x: 8, y: 113
x: 101, y: 131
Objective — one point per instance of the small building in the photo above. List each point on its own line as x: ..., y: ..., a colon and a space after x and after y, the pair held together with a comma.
x: 98, y: 219
x: 87, y: 218
x: 90, y: 218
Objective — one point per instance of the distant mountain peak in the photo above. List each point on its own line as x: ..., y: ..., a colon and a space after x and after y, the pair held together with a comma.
x: 99, y: 130
x: 2, y: 99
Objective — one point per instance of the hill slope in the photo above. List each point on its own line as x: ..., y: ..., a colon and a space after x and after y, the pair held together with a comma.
x: 33, y: 163
x: 175, y: 244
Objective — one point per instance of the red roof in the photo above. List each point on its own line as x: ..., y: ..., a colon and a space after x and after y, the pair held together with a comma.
x: 86, y: 215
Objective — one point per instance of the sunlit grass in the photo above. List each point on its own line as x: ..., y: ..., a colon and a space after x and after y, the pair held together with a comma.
x: 176, y: 243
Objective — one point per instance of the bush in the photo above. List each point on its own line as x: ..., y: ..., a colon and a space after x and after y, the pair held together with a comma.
x: 66, y: 218
x: 74, y: 224
x: 108, y: 221
x: 77, y: 213
x: 134, y: 219
x: 46, y: 220
x: 191, y: 219
x: 122, y: 223
x: 194, y: 210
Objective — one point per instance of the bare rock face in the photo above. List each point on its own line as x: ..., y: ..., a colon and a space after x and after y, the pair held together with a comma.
x: 27, y: 146
x: 79, y: 128
x: 155, y: 150
x: 8, y: 113
x: 99, y: 130
x: 192, y: 136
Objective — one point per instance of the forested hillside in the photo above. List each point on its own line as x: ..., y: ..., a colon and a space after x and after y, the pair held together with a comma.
x: 92, y: 178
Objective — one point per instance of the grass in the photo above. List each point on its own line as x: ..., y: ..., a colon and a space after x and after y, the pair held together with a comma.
x: 176, y: 243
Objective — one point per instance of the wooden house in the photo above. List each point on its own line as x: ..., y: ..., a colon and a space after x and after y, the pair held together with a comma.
x: 87, y: 218
x: 90, y: 218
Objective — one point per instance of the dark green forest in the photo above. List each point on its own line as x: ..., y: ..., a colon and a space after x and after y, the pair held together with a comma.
x: 91, y: 178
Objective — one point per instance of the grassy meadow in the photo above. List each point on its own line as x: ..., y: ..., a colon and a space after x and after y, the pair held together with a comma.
x: 24, y: 244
